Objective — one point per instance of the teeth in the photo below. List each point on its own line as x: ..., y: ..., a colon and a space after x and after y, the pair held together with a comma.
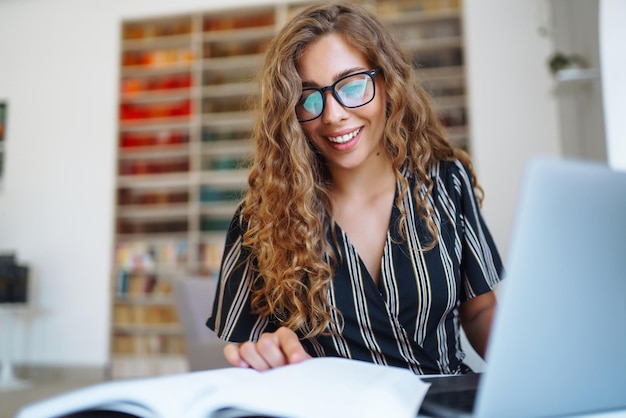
x: 344, y: 138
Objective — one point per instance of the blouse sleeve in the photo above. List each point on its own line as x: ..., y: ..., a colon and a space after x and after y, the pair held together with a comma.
x: 232, y: 318
x: 481, y: 265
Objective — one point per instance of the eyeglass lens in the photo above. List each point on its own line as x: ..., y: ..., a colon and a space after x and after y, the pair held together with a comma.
x: 352, y: 91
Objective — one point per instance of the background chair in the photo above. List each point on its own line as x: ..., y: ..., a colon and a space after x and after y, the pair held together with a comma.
x: 194, y: 301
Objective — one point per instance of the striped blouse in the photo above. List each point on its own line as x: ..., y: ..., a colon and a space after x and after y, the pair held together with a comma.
x: 410, y: 318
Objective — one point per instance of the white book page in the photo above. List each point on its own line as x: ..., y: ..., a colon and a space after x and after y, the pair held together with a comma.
x: 323, y: 387
x: 160, y: 397
x: 320, y: 387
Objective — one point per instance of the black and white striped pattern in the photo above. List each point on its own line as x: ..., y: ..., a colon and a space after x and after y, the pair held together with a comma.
x: 410, y: 319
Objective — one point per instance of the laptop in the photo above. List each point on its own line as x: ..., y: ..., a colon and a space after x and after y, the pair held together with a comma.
x: 558, y: 342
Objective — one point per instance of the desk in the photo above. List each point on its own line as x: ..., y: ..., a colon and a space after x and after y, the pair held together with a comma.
x: 8, y: 311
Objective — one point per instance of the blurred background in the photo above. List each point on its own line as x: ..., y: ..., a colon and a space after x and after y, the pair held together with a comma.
x: 124, y: 130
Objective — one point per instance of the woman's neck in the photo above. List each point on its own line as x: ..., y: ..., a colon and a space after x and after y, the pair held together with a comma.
x: 363, y: 183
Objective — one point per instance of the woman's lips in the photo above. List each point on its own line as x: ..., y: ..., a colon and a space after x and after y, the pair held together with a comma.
x: 342, y: 139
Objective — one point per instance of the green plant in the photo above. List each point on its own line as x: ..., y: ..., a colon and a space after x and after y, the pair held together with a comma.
x: 559, y: 61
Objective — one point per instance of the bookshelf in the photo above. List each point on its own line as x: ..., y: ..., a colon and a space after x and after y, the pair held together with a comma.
x: 432, y: 33
x: 183, y: 142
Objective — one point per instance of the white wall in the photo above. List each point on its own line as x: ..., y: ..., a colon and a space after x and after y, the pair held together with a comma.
x: 613, y: 58
x: 59, y: 72
x: 58, y: 75
x: 513, y: 109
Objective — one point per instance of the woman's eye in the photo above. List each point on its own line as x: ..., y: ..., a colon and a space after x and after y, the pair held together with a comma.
x: 312, y: 104
x: 354, y: 88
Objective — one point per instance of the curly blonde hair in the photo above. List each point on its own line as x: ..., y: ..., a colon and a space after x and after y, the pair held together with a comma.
x: 287, y: 206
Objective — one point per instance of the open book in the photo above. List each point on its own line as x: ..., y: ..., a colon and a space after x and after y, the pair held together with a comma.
x: 320, y: 387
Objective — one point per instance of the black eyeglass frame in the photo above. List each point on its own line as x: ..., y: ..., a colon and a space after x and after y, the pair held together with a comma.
x: 371, y: 73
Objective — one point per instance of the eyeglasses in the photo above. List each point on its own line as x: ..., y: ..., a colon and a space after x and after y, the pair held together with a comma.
x: 354, y: 90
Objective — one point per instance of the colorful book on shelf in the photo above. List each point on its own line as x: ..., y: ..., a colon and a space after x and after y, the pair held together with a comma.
x: 320, y: 387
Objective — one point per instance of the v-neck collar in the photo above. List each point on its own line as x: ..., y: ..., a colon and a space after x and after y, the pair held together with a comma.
x: 391, y: 235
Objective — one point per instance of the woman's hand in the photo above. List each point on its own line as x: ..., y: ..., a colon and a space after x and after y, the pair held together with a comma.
x: 273, y: 349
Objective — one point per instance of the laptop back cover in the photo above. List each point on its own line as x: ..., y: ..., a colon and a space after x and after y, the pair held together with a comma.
x: 558, y: 344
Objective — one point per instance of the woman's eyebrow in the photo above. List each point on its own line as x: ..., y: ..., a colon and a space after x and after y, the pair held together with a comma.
x: 348, y: 72
x: 342, y: 74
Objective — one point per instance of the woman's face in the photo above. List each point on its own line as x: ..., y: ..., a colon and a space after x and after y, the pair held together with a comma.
x: 348, y: 138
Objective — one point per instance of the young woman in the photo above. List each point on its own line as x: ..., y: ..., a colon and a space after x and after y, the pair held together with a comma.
x: 360, y: 235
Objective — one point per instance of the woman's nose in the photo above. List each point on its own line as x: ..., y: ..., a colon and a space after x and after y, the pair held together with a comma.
x: 333, y: 110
